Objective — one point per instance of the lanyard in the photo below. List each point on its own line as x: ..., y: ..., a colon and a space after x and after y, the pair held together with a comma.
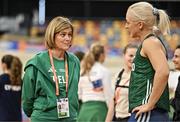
x: 55, y: 76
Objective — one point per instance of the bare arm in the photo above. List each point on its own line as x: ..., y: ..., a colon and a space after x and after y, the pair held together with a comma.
x: 110, y: 113
x: 154, y: 51
x: 107, y: 89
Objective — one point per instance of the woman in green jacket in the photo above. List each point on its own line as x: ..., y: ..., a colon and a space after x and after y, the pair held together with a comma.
x: 51, y: 77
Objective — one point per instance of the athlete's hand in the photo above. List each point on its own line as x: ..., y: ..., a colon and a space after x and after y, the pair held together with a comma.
x: 142, y: 109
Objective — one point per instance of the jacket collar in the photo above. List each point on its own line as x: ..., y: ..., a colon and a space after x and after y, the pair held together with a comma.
x: 42, y: 63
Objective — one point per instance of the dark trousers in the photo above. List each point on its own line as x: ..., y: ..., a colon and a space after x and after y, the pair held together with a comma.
x: 121, y: 119
x: 155, y: 115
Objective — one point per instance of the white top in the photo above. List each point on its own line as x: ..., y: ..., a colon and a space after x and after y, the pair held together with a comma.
x: 85, y: 87
x: 121, y: 94
x: 173, y: 80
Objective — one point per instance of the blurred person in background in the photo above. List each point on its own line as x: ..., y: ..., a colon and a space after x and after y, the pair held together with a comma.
x: 79, y: 54
x: 10, y: 89
x: 148, y: 88
x: 173, y: 80
x: 94, y: 86
x: 50, y: 82
x: 119, y: 104
x: 176, y: 99
x: 173, y: 76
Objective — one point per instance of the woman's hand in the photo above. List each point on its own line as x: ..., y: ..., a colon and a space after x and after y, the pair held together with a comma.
x: 142, y: 109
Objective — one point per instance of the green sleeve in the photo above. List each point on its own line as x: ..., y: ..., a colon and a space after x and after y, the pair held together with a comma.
x: 28, y: 90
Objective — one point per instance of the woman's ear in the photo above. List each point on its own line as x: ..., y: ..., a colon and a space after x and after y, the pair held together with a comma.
x: 141, y: 25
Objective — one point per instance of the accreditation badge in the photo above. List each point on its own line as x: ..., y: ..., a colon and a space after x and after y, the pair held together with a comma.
x: 63, y: 107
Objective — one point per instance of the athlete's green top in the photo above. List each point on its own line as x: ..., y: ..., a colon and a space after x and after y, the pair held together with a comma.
x: 141, y: 83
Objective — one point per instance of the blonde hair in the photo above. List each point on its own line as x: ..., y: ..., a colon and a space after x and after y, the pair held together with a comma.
x: 91, y: 57
x: 152, y: 17
x: 55, y: 26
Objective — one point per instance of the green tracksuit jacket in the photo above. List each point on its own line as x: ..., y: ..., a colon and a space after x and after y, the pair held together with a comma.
x: 38, y: 92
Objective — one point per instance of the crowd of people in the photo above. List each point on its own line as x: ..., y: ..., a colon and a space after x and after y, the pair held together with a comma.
x: 58, y: 85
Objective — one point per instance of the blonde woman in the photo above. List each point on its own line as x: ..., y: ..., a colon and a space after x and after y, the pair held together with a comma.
x: 50, y: 82
x: 148, y: 89
x: 94, y: 86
